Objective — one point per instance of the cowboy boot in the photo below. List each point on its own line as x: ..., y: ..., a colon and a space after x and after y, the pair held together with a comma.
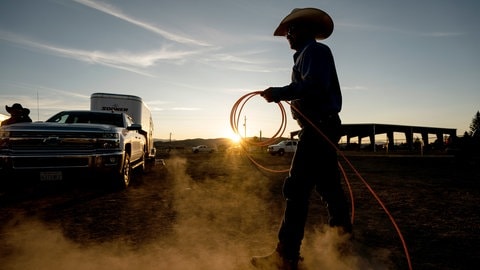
x: 276, y: 261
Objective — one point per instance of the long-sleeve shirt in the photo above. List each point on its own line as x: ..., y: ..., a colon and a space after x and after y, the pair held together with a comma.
x: 315, y: 89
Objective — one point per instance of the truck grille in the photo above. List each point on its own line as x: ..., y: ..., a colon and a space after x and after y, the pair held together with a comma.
x: 52, y: 143
x: 50, y: 162
x: 57, y: 141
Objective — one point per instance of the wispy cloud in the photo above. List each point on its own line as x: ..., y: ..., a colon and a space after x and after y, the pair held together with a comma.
x: 247, y: 61
x: 21, y: 86
x: 382, y: 28
x: 43, y: 101
x: 110, y: 10
x: 185, y: 109
x: 354, y: 88
x: 120, y: 59
x: 235, y: 62
x: 443, y: 34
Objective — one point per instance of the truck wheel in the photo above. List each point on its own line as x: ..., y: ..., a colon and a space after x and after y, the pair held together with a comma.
x: 126, y: 172
x: 281, y: 152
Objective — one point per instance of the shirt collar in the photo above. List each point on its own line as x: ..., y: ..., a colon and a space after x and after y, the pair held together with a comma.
x: 299, y: 51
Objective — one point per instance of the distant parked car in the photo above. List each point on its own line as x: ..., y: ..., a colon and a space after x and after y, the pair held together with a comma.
x: 287, y: 146
x: 202, y: 149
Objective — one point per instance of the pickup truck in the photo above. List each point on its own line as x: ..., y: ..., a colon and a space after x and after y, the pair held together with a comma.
x: 287, y: 146
x: 74, y: 142
x: 202, y: 149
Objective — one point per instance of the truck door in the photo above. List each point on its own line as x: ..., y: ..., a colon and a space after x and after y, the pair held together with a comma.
x: 137, y: 142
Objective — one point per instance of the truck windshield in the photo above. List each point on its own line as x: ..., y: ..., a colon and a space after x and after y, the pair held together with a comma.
x: 88, y: 118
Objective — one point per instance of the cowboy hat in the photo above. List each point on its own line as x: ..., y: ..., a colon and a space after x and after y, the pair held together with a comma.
x: 15, y: 108
x: 318, y: 19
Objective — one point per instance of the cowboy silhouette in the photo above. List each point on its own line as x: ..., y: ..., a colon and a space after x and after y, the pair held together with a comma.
x: 17, y: 113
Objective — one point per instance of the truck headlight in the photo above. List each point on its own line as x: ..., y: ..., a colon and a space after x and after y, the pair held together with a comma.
x: 107, y: 144
x: 4, y: 143
x: 109, y: 136
x: 108, y: 141
x: 4, y: 139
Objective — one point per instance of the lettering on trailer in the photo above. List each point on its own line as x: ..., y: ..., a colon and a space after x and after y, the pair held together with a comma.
x: 114, y: 107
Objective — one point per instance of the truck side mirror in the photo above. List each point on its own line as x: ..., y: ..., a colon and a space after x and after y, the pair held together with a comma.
x: 135, y: 127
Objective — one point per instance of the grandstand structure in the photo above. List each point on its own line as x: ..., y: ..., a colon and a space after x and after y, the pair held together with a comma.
x: 371, y: 130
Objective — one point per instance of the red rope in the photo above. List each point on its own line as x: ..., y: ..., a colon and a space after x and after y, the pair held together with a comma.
x: 234, y: 121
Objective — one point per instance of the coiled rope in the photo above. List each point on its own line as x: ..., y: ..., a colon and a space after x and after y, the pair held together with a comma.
x: 234, y: 121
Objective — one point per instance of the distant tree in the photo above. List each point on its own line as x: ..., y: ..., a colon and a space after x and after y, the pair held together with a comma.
x: 475, y: 125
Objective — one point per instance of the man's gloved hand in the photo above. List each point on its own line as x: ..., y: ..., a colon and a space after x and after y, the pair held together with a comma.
x: 270, y: 94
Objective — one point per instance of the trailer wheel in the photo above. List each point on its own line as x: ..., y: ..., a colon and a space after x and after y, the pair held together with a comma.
x: 149, y: 164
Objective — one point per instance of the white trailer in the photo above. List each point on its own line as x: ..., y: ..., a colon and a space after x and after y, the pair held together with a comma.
x: 133, y: 106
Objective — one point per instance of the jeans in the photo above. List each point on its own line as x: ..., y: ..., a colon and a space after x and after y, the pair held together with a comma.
x: 314, y: 166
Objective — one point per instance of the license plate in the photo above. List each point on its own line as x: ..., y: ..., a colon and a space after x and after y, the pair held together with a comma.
x: 51, y: 176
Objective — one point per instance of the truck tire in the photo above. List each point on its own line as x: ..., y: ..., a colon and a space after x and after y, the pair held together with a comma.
x: 125, y: 175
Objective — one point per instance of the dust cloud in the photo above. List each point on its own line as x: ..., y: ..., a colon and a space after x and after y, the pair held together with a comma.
x: 219, y: 224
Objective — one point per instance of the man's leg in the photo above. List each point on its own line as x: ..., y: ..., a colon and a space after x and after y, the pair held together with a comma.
x: 330, y: 189
x: 291, y: 232
x: 296, y: 192
x: 292, y: 227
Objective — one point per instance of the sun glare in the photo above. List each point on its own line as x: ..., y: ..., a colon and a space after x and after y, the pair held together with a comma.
x: 235, y: 138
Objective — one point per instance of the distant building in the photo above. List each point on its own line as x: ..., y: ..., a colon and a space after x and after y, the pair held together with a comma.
x: 360, y: 131
x: 370, y: 130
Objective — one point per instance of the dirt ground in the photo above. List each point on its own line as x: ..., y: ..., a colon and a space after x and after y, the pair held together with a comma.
x: 214, y: 211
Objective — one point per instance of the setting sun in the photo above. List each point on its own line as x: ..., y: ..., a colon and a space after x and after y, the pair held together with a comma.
x: 235, y: 138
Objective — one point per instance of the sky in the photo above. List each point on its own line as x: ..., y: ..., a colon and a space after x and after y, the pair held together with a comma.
x: 405, y: 62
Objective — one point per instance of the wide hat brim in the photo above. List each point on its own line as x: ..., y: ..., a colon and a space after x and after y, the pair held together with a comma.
x: 318, y: 20
x: 15, y: 107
